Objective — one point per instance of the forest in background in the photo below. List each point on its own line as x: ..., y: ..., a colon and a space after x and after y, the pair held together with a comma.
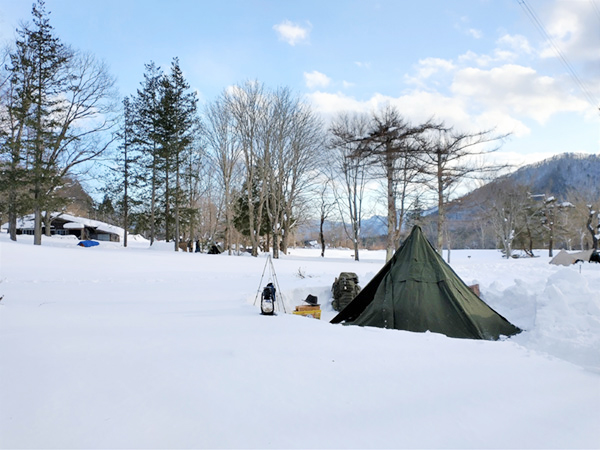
x: 247, y: 169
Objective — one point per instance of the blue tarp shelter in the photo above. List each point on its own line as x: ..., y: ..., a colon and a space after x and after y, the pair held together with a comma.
x: 88, y: 243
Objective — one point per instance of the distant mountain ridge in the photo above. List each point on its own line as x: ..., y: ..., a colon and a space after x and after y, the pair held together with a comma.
x: 555, y: 176
x: 560, y: 174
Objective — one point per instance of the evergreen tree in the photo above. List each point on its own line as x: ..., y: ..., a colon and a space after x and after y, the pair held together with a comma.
x: 37, y: 67
x: 125, y: 180
x: 53, y: 96
x: 13, y: 173
x: 177, y: 124
x: 166, y: 128
x: 146, y: 105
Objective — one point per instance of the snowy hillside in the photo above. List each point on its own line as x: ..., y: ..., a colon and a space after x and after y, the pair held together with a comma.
x: 107, y: 347
x: 562, y: 173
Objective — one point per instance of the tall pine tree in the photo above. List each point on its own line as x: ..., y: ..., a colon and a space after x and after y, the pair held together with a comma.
x: 147, y: 104
x: 38, y: 72
x: 179, y: 122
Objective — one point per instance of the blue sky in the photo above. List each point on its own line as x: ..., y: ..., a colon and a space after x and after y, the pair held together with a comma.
x: 476, y: 64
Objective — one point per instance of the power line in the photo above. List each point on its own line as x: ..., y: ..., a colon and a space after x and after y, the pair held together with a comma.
x: 595, y: 8
x: 540, y: 26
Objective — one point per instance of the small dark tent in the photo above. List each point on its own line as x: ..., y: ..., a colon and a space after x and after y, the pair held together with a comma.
x: 417, y: 291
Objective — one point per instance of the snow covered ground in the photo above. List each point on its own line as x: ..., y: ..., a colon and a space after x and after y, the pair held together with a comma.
x: 107, y: 347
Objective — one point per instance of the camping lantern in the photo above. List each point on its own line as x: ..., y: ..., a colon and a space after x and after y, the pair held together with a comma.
x: 267, y: 300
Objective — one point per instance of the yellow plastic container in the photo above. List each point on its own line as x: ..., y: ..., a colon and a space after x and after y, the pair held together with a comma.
x: 309, y: 311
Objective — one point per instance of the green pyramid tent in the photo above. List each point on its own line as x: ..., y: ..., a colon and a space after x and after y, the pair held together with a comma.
x: 417, y: 291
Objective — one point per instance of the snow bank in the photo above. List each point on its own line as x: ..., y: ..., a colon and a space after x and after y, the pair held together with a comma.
x: 129, y: 348
x: 567, y: 320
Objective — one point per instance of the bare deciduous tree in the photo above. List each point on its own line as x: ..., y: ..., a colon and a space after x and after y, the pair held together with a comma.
x: 325, y: 207
x: 448, y: 157
x: 392, y: 149
x: 505, y: 212
x: 225, y: 154
x: 349, y: 172
x: 306, y: 140
x: 248, y: 104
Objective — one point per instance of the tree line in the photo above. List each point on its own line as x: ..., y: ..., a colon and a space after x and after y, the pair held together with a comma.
x: 242, y: 170
x: 56, y: 114
x: 519, y: 218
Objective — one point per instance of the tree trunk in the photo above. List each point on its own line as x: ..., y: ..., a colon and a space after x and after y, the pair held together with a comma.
x: 47, y: 224
x: 276, y: 244
x: 441, y: 218
x: 227, y: 220
x: 285, y: 241
x: 322, y: 236
x: 448, y: 244
x: 356, y: 235
x: 551, y: 237
x: 254, y: 233
x: 177, y: 231
x: 12, y: 216
x: 591, y: 229
x: 153, y: 198
x: 391, y: 204
x: 167, y: 204
x: 125, y: 198
x: 37, y: 226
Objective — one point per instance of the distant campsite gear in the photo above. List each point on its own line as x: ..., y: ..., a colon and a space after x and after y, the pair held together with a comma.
x: 267, y: 300
x: 312, y: 300
x: 475, y: 289
x: 214, y: 250
x: 277, y: 301
x: 313, y: 311
x: 418, y: 291
x: 595, y: 257
x: 344, y: 289
x: 88, y: 243
x: 563, y: 258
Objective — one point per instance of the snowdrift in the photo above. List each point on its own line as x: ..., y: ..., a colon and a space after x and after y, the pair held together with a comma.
x: 138, y: 348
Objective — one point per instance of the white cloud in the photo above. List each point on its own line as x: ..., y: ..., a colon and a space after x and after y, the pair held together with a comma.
x: 574, y: 28
x: 292, y: 33
x: 330, y: 104
x: 516, y: 42
x: 509, y: 49
x: 362, y: 64
x: 316, y: 79
x: 463, y: 26
x: 518, y: 159
x: 516, y: 90
x: 498, y: 56
x: 430, y: 66
x: 477, y: 34
x: 420, y: 106
x: 425, y: 70
x: 417, y: 105
x: 347, y: 84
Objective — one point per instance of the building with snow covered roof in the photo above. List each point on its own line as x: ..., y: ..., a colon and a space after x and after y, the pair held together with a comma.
x: 66, y: 224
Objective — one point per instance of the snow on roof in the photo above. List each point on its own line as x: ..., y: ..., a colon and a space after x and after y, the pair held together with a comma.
x: 73, y: 223
x: 73, y: 226
x: 98, y: 225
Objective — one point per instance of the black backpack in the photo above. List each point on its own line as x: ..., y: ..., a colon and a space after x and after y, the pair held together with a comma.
x: 344, y: 289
